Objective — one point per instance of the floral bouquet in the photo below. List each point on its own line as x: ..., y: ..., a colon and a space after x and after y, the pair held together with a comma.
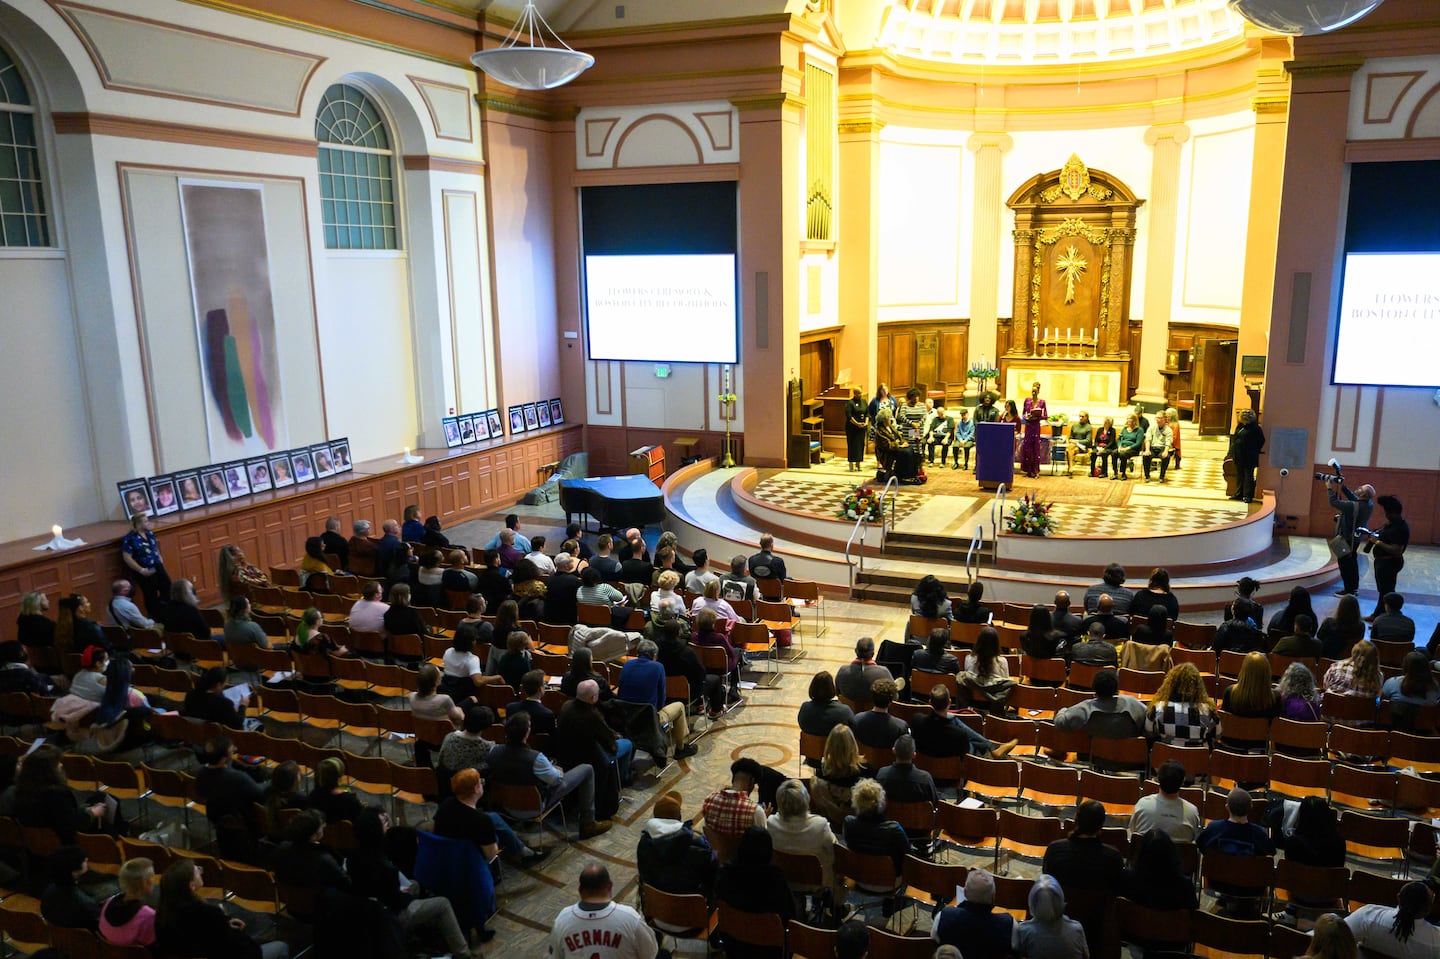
x: 1031, y: 517
x: 1059, y: 419
x: 862, y: 501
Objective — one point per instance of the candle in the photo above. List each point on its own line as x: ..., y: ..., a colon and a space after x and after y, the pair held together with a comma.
x: 1095, y: 334
x: 407, y: 451
x: 55, y: 531
x: 1067, y: 335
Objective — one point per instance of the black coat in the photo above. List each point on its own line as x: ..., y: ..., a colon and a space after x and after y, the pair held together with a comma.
x: 1246, y: 444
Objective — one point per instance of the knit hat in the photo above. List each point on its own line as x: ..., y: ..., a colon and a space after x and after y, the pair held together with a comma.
x: 668, y: 806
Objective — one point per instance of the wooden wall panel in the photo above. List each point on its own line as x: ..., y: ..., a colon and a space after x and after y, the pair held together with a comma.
x: 457, y: 485
x: 922, y: 351
x: 902, y: 362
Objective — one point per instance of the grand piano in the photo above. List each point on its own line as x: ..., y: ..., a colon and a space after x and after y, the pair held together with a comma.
x: 616, y: 502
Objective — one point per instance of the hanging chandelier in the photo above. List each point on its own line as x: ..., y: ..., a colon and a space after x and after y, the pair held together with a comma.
x: 1301, y: 18
x: 526, y: 60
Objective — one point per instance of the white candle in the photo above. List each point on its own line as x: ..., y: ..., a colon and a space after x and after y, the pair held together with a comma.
x: 1095, y: 334
x: 1067, y: 335
x: 407, y: 451
x: 56, y: 531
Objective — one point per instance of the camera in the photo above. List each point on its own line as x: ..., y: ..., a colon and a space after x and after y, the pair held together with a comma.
x: 1337, y: 477
x: 1364, y: 533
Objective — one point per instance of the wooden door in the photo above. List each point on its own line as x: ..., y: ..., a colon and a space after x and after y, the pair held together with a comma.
x: 1214, y: 376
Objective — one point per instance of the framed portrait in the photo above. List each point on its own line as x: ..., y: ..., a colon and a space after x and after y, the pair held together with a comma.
x: 303, y: 466
x: 237, y: 479
x: 532, y: 419
x: 452, y: 432
x: 542, y: 413
x: 324, y: 462
x: 258, y: 469
x: 212, y: 481
x: 557, y: 412
x: 340, y: 455
x: 282, y: 474
x: 517, y: 420
x: 467, y: 430
x: 135, y: 497
x: 188, y: 486
x: 482, y: 427
x: 163, y: 495
x: 497, y: 426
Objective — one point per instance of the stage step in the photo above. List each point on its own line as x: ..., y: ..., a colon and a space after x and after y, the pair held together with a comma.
x: 937, y: 549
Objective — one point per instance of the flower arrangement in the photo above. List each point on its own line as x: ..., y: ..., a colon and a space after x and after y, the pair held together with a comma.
x: 1059, y: 419
x: 1031, y: 517
x: 983, y: 372
x: 862, y: 501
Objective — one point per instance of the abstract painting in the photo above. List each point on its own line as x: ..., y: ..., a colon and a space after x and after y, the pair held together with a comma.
x: 235, y: 317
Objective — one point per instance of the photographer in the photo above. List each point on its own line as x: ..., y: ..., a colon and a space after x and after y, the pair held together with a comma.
x: 1353, y: 512
x: 1386, y: 547
x: 1246, y: 445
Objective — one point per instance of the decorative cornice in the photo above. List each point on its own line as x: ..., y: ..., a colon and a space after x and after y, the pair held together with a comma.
x: 424, y: 161
x: 504, y: 104
x: 767, y: 101
x: 862, y: 126
x: 133, y: 128
x: 1327, y: 67
x: 981, y: 141
x: 1267, y: 106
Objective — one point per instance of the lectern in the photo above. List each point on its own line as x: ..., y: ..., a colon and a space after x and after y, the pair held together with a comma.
x: 994, y: 455
x: 649, y: 461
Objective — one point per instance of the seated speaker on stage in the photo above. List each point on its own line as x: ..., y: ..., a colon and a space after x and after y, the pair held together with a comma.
x: 1132, y: 438
x: 1159, y: 444
x: 1082, y: 433
x: 892, y: 450
x: 964, y: 440
x: 910, y: 418
x: 939, y: 433
x: 1105, y: 442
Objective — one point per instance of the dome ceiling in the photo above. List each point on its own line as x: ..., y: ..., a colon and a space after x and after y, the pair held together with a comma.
x: 1052, y: 31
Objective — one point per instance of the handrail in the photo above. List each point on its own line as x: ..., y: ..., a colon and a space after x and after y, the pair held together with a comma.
x: 977, y: 543
x: 999, y: 501
x: 890, y: 484
x: 860, y: 525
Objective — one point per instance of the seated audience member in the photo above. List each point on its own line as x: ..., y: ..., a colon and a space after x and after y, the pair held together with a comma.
x: 1393, y: 626
x: 1252, y: 695
x: 539, y: 557
x: 678, y: 658
x: 974, y: 923
x: 512, y: 523
x: 575, y: 532
x: 329, y: 797
x: 971, y: 609
x: 332, y: 542
x: 515, y: 763
x: 1087, y: 869
x: 729, y: 811
x: 701, y: 576
x: 460, y: 817
x: 1296, y: 693
x: 1332, y: 939
x: 362, y: 554
x: 707, y: 634
x: 841, y: 767
x: 669, y: 539
x: 987, y: 673
x: 229, y: 792
x: 1049, y: 933
x: 582, y: 667
x: 188, y: 927
x: 1156, y: 593
x: 458, y: 579
x: 671, y: 856
x: 875, y: 727
x: 1117, y: 626
x: 1313, y: 837
x: 1338, y: 633
x: 1041, y: 639
x: 1062, y: 618
x: 902, y: 780
x: 33, y: 628
x: 1244, y: 605
x: 738, y: 584
x: 594, y: 590
x: 936, y: 656
x: 182, y: 614
x: 283, y: 792
x: 634, y: 568
x: 855, y: 680
x: 1283, y: 622
x: 1155, y: 631
x: 752, y: 883
x: 1301, y: 642
x: 1157, y: 882
x: 374, y: 876
x: 208, y: 703
x: 1166, y: 811
x: 17, y: 677
x: 583, y: 736
x: 1112, y: 584
x: 822, y: 711
x: 63, y: 902
x: 1357, y: 676
x: 1242, y: 635
x: 765, y: 564
x: 493, y: 581
x: 642, y: 680
x: 1236, y: 835
x: 89, y: 682
x: 402, y: 619
x: 711, y: 600
x: 123, y: 609
x: 413, y: 531
x: 796, y: 830
x: 603, y: 561
x: 532, y: 685
x: 126, y: 919
x: 514, y: 663
x: 666, y: 561
x: 1181, y: 711
x: 467, y: 747
x: 427, y: 701
x: 868, y: 832
x: 929, y: 599
x: 1400, y: 931
x: 387, y: 550
x: 1414, y: 688
x: 1096, y: 650
x: 240, y: 629
x: 463, y: 672
x: 561, y: 592
x: 666, y: 596
x: 314, y: 563
x: 303, y: 861
x: 509, y: 550
x: 1108, y: 715
x: 939, y: 734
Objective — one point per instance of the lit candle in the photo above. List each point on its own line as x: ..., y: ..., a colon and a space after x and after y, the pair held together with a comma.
x: 1067, y: 336
x: 56, y: 531
x: 1095, y: 334
x: 407, y: 451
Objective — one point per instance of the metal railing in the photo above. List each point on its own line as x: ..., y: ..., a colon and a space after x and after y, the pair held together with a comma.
x: 972, y: 555
x: 997, y: 503
x: 862, y: 524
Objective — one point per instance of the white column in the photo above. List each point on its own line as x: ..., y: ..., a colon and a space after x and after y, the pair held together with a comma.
x: 1165, y: 141
x: 989, y: 207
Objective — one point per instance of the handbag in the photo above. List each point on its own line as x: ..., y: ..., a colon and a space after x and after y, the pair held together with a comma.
x: 1341, y: 547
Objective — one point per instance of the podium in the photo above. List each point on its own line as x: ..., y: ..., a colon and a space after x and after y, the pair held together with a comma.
x: 994, y: 454
x: 649, y: 461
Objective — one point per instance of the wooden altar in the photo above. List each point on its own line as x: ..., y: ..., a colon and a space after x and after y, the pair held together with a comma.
x: 1074, y: 248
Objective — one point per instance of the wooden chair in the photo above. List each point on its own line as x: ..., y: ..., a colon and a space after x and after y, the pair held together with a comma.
x: 1033, y: 702
x: 1298, y: 738
x: 997, y: 779
x: 811, y: 748
x: 1237, y: 730
x: 1354, y: 710
x: 920, y: 627
x: 1028, y: 836
x: 1311, y: 886
x: 1287, y: 942
x: 875, y: 875
x: 1201, y: 659
x: 1218, y: 937
x: 681, y: 916
x: 1110, y: 755
x: 1049, y: 786
x: 1362, y: 788
x: 945, y: 770
x: 1118, y: 794
x: 1366, y: 888
x: 1026, y: 731
x: 1043, y: 672
x: 1359, y: 746
x: 922, y: 681
x: 1147, y: 928
x: 970, y: 828
x: 887, y: 945
x: 1392, y: 653
x: 1379, y: 838
x: 806, y: 594
x: 1238, y: 872
x: 810, y: 942
x: 1229, y: 769
x: 938, y: 880
x: 763, y: 930
x: 1297, y: 778
x: 1195, y: 759
x: 524, y: 804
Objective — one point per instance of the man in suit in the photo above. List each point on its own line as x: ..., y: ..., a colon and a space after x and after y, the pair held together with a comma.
x: 1063, y: 619
x: 876, y: 727
x: 542, y: 718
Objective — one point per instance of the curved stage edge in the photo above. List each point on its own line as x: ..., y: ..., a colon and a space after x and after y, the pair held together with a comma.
x: 704, y: 504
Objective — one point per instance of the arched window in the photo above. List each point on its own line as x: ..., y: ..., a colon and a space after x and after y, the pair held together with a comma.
x: 23, y: 220
x: 357, y: 182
